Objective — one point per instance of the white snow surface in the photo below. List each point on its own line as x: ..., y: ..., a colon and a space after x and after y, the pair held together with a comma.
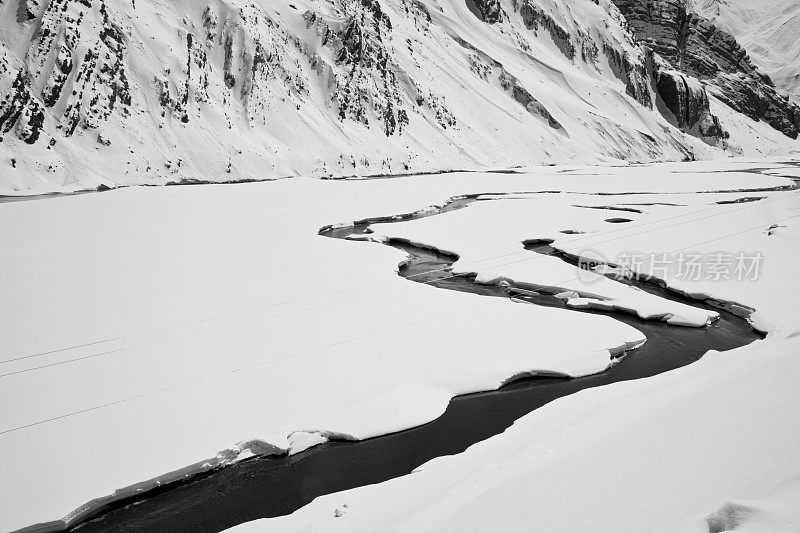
x: 661, y: 454
x: 242, y: 325
x: 779, y: 513
x: 710, y: 447
x: 488, y: 238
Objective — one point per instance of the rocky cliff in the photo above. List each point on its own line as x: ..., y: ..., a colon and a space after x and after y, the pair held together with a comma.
x: 95, y: 93
x: 693, y: 45
x: 767, y: 29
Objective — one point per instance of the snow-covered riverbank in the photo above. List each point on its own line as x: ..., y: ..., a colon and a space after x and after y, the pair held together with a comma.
x: 234, y: 331
x: 709, y: 447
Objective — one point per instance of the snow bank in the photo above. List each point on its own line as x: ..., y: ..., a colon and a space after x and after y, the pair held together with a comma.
x: 209, y: 342
x: 676, y: 446
x: 244, y: 323
x: 777, y: 514
x: 488, y: 237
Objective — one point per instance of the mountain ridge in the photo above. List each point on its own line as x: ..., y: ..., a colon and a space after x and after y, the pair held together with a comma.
x: 99, y: 94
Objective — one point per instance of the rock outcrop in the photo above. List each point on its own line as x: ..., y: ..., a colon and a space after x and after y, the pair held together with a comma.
x: 687, y: 105
x: 21, y: 112
x: 693, y: 45
x: 489, y: 11
x: 635, y: 74
x: 758, y: 101
x: 492, y: 71
x: 767, y: 30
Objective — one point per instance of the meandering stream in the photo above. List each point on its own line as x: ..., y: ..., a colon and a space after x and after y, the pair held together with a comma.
x: 275, y: 486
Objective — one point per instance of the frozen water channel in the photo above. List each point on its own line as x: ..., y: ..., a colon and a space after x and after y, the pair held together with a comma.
x: 187, y: 335
x: 276, y: 486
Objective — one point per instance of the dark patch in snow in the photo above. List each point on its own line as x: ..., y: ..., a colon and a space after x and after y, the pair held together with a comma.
x: 611, y: 208
x: 744, y: 200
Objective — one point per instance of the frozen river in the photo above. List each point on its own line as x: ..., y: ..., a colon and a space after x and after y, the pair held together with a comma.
x: 154, y: 334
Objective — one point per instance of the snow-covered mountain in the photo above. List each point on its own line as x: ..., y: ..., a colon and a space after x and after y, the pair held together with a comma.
x: 99, y: 94
x: 768, y: 29
x: 696, y: 46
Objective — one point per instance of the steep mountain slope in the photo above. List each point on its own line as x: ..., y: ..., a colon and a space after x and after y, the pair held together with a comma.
x: 693, y: 45
x: 99, y: 94
x: 768, y: 29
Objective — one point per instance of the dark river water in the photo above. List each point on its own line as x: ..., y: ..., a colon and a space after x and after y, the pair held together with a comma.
x: 276, y: 486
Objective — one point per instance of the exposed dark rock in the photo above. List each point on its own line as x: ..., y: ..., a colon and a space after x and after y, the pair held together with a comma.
x: 534, y: 17
x: 635, y: 75
x: 687, y: 101
x: 20, y: 110
x: 695, y: 46
x: 27, y: 10
x: 488, y: 11
x: 690, y: 43
x: 759, y: 102
x: 491, y: 70
x: 526, y: 99
x: 371, y: 92
x: 98, y: 80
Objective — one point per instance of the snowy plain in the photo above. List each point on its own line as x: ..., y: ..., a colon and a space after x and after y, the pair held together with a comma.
x: 708, y: 447
x: 245, y: 326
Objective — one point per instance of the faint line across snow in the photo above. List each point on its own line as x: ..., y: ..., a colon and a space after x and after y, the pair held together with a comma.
x: 365, y: 286
x: 312, y: 350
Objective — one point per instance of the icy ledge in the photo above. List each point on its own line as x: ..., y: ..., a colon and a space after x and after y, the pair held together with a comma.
x: 609, y: 269
x: 590, y: 290
x: 431, y: 402
x: 229, y: 456
x: 626, y: 299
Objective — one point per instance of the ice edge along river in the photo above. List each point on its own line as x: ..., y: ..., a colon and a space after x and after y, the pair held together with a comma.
x: 443, y: 187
